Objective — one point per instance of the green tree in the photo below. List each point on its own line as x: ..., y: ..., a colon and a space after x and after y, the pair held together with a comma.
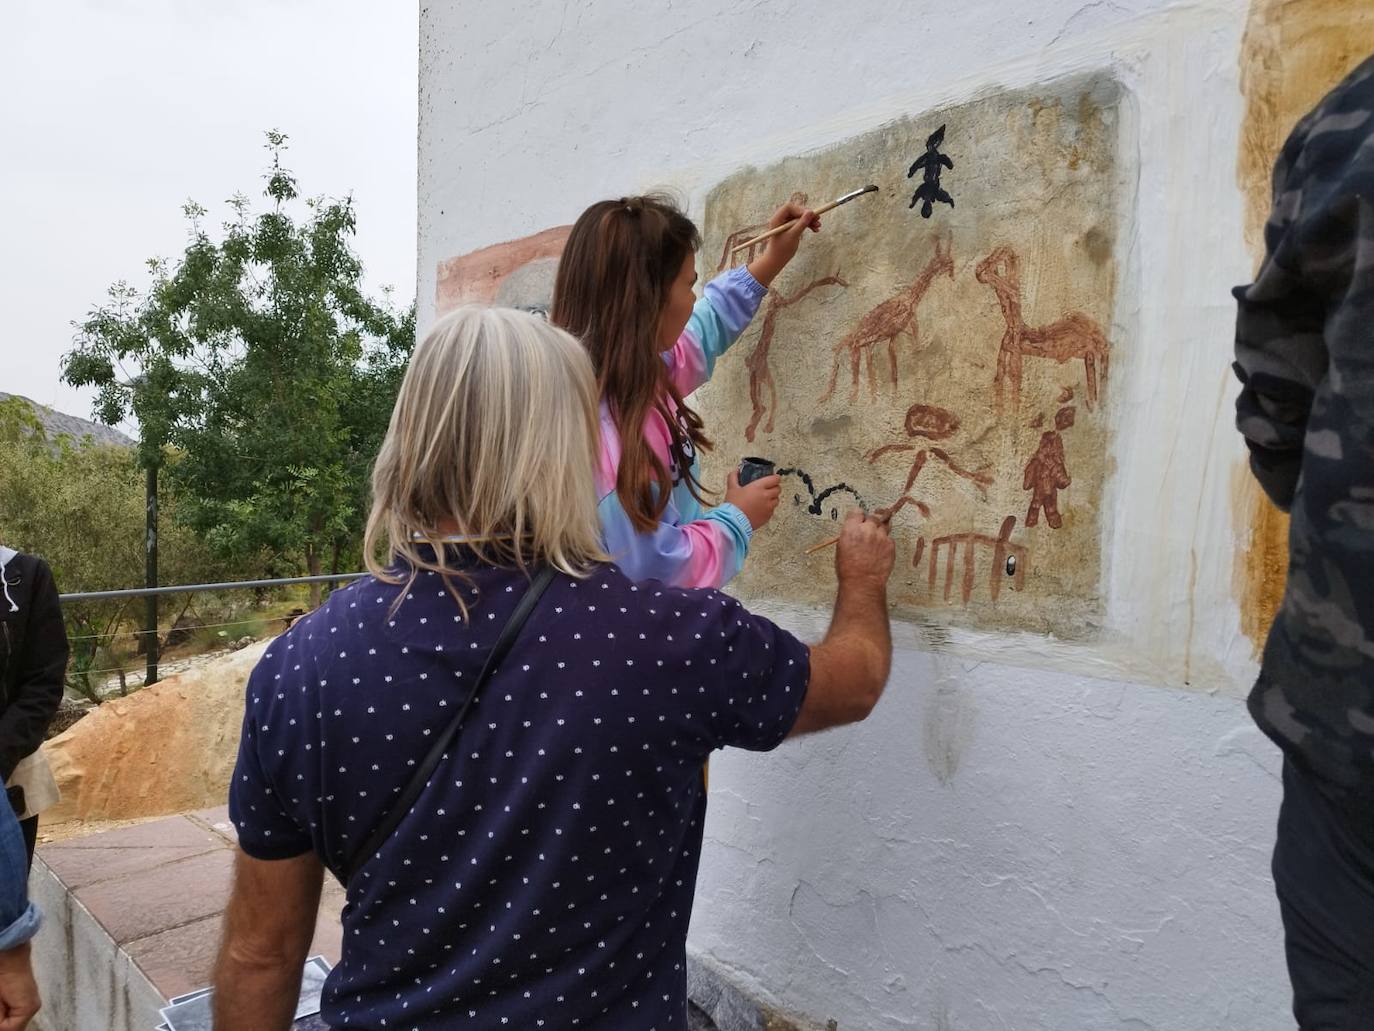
x: 80, y: 506
x: 261, y: 361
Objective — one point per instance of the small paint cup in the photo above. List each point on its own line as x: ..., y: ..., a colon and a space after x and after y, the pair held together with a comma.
x: 751, y: 469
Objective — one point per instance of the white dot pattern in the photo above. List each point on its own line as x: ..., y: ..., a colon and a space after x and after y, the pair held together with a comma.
x: 545, y: 877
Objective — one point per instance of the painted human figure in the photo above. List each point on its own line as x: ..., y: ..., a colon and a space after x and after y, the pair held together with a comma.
x: 934, y: 424
x: 1047, y: 474
x: 931, y: 163
x: 760, y: 374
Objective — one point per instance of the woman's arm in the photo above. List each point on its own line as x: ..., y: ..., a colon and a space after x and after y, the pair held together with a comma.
x: 42, y: 667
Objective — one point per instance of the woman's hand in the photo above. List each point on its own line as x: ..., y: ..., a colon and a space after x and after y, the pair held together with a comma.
x: 757, y: 500
x: 782, y: 248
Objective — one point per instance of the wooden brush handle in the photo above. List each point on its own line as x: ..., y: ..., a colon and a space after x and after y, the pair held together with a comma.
x: 883, y: 519
x: 778, y: 230
x: 821, y: 546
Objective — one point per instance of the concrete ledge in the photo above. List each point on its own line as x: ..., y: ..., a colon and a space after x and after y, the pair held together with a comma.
x: 132, y: 917
x: 720, y: 1004
x: 87, y: 982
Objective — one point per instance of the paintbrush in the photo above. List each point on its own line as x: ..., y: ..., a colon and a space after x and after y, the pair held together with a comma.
x: 883, y: 520
x: 819, y: 211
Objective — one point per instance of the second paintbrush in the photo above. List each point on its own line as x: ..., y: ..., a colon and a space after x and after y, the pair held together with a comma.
x: 788, y: 225
x: 883, y: 520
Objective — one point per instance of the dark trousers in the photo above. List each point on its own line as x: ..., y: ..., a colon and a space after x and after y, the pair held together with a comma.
x: 1324, y: 873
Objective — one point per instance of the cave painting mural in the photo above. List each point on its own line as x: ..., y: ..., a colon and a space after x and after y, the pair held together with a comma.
x: 950, y: 373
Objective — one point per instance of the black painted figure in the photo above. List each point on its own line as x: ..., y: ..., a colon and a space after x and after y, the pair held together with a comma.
x: 932, y: 162
x: 816, y: 506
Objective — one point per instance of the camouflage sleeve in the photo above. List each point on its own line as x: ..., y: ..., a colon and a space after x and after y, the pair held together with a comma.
x: 1305, y: 352
x: 1280, y: 352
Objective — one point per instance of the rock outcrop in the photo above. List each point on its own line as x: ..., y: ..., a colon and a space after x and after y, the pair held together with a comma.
x: 166, y: 749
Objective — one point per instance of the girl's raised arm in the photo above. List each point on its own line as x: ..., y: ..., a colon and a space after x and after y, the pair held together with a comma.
x: 717, y: 321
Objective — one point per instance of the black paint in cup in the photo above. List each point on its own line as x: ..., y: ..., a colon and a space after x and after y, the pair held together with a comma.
x: 751, y: 469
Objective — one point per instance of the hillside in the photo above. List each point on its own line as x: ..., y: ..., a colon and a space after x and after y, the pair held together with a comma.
x: 57, y: 424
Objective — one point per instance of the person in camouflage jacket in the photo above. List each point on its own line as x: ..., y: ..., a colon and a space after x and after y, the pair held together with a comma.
x: 1305, y: 358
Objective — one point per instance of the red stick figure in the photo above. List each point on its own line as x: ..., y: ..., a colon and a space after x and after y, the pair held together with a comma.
x: 1047, y: 474
x: 760, y: 374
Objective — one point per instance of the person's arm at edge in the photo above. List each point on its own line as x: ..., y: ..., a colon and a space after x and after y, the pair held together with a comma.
x: 850, y: 667
x: 19, y: 921
x: 41, y: 674
x: 268, y: 927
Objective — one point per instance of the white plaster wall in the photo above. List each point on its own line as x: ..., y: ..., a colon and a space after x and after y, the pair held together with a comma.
x: 1026, y: 834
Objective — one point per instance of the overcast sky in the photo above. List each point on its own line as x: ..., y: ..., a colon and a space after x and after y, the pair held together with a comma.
x: 113, y: 113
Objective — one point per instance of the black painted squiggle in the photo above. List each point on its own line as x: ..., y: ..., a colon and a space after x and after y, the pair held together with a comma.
x: 816, y: 506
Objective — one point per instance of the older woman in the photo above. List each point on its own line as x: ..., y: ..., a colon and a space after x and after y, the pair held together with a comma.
x: 525, y: 857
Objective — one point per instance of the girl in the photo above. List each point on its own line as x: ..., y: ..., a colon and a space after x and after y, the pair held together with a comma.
x: 625, y: 288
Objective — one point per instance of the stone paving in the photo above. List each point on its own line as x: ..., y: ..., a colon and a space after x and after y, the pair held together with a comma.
x: 154, y: 894
x: 159, y: 890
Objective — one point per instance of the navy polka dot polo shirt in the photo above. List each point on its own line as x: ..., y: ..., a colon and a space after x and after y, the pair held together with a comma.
x: 545, y: 877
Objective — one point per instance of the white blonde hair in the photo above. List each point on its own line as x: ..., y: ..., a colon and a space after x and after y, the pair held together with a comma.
x: 493, y: 438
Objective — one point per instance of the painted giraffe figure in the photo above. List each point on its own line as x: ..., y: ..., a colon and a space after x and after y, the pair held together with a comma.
x: 886, y: 322
x: 1073, y: 336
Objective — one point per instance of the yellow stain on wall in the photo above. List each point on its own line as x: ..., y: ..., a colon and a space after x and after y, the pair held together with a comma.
x: 1293, y: 53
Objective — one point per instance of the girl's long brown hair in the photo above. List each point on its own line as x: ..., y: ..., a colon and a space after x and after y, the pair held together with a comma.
x: 613, y: 280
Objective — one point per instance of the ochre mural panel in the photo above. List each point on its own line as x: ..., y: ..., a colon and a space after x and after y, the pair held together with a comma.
x: 943, y: 350
x: 1294, y: 52
x: 515, y: 274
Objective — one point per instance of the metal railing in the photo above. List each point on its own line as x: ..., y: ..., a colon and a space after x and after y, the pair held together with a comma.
x: 228, y: 585
x: 150, y: 633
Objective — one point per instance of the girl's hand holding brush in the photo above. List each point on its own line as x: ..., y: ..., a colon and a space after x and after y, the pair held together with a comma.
x: 781, y: 249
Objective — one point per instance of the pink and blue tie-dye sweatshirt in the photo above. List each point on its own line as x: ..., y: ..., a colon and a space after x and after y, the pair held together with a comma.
x: 692, y: 546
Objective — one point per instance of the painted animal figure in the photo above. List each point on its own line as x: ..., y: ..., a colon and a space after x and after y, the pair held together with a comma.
x: 930, y: 164
x: 895, y: 316
x: 760, y: 374
x: 1073, y: 336
x: 972, y: 543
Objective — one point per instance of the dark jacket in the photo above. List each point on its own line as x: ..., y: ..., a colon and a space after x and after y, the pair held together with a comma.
x: 33, y: 656
x: 1305, y: 354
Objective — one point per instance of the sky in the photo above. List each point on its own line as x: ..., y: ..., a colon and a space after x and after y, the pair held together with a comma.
x: 113, y: 113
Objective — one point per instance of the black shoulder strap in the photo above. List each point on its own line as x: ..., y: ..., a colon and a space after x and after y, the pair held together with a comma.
x: 425, y: 770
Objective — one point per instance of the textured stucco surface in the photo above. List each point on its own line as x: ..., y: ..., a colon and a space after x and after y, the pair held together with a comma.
x: 1030, y: 832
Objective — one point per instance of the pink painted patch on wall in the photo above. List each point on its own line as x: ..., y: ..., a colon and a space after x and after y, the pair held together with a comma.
x: 517, y: 273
